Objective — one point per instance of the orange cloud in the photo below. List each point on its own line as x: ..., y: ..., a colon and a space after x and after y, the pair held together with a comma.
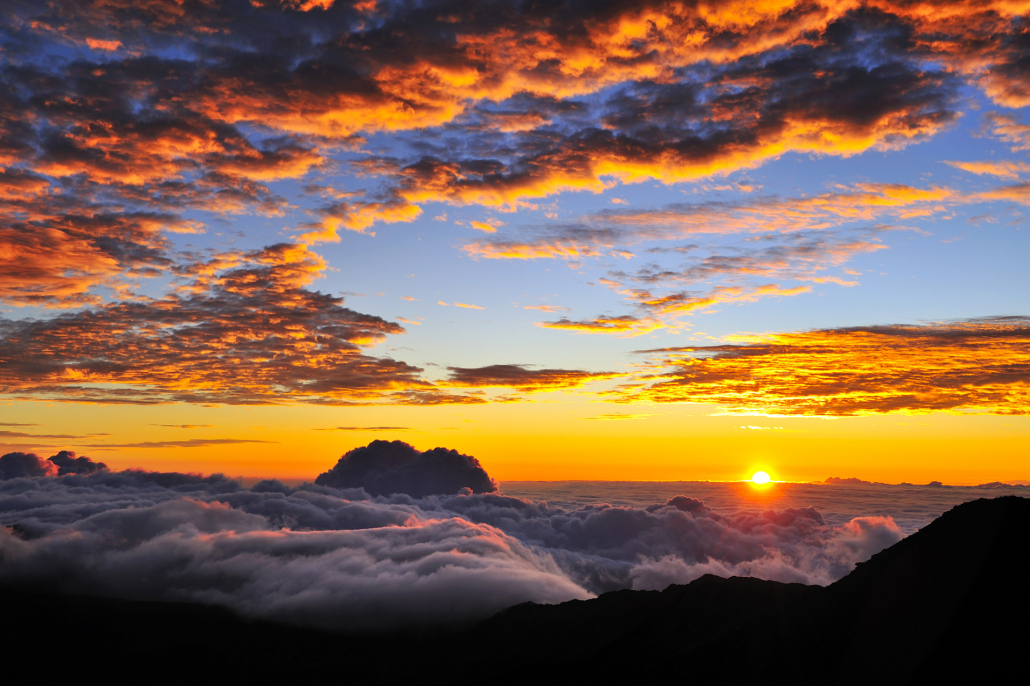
x: 58, y: 249
x: 108, y: 45
x: 358, y: 217
x: 979, y: 365
x: 624, y: 325
x: 1009, y: 129
x: 483, y: 226
x: 545, y: 308
x: 242, y: 329
x: 1006, y: 169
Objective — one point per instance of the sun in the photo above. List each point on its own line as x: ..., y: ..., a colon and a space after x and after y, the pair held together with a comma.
x: 761, y: 478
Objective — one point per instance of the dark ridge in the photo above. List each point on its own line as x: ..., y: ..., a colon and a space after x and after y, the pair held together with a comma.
x: 947, y: 604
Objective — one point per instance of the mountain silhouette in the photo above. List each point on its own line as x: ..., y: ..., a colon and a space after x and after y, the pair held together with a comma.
x: 947, y: 604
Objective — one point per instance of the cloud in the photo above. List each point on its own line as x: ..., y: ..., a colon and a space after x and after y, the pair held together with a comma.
x: 385, y: 468
x: 626, y: 325
x: 365, y: 428
x: 1006, y: 169
x: 1008, y: 128
x: 857, y: 207
x: 341, y: 559
x: 860, y: 538
x: 242, y: 328
x: 676, y: 132
x: 421, y: 572
x: 660, y: 311
x: 186, y: 426
x: 546, y: 308
x: 189, y: 443
x: 731, y: 273
x: 22, y: 434
x: 682, y: 93
x: 357, y: 217
x: 521, y: 377
x: 975, y: 365
x: 21, y: 465
x: 26, y: 465
x: 107, y: 151
x: 68, y: 463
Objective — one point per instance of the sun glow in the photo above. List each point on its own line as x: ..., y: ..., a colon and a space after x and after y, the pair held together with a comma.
x: 761, y: 478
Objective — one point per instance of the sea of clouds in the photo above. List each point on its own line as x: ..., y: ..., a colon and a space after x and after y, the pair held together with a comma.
x: 339, y: 557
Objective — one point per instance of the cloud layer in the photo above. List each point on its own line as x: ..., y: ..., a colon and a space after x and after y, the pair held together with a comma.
x: 341, y: 558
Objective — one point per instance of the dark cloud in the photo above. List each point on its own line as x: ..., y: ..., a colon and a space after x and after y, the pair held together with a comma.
x: 22, y: 465
x: 68, y: 463
x: 258, y: 92
x: 520, y: 377
x: 386, y: 467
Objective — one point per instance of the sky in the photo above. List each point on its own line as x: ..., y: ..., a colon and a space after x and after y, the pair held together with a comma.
x: 579, y: 240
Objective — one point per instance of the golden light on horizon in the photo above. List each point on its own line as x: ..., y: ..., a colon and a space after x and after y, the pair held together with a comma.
x: 761, y: 478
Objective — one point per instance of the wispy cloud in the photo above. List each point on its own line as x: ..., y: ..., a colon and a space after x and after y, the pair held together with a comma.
x: 365, y: 428
x: 186, y: 426
x: 190, y: 443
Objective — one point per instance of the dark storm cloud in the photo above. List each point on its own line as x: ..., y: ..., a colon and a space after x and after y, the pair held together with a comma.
x: 387, y: 467
x: 337, y: 557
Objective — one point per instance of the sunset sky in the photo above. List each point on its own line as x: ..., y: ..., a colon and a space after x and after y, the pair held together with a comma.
x: 579, y: 240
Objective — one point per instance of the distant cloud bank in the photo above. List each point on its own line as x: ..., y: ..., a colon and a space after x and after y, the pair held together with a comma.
x: 444, y: 545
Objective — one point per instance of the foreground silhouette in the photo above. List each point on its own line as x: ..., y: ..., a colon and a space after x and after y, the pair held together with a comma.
x: 949, y: 603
